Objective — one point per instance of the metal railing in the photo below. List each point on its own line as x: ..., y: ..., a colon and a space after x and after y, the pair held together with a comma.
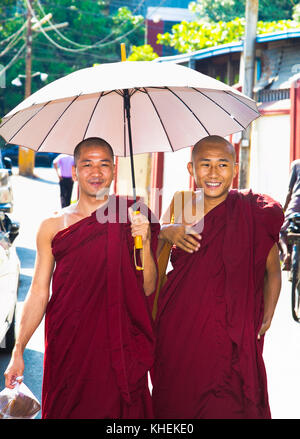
x: 270, y: 95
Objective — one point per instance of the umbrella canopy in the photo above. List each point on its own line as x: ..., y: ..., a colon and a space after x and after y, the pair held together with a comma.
x: 170, y: 107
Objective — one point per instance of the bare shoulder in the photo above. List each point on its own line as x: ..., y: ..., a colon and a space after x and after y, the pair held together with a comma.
x: 52, y: 225
x: 58, y: 221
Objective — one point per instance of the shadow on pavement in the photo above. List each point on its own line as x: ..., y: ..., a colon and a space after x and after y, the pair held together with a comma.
x: 27, y: 259
x: 36, y: 177
x: 44, y: 180
x: 26, y: 256
x: 24, y: 285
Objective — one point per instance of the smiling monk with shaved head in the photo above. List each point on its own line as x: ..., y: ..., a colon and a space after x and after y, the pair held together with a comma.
x: 219, y: 298
x: 99, y: 340
x: 213, y: 166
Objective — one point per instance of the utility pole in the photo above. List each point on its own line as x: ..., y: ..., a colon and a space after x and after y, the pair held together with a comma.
x: 247, y: 79
x: 27, y: 156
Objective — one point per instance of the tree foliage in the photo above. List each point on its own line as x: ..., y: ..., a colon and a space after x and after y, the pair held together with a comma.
x: 142, y: 53
x: 89, y: 24
x: 190, y: 36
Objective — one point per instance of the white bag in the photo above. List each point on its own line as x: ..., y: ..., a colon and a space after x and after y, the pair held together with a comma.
x: 18, y: 403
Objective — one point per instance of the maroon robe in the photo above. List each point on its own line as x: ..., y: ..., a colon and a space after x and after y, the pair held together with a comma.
x: 209, y: 361
x: 99, y: 339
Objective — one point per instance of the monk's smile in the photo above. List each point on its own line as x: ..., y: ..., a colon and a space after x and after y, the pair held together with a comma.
x: 96, y: 183
x: 213, y: 184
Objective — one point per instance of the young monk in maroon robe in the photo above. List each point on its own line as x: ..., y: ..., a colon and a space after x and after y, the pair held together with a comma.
x: 219, y: 299
x: 99, y: 336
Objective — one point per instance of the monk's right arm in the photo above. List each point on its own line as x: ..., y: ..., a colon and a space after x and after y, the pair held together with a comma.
x: 176, y: 234
x: 35, y: 304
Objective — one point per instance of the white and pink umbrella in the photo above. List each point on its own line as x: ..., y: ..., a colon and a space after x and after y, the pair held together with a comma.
x: 137, y: 107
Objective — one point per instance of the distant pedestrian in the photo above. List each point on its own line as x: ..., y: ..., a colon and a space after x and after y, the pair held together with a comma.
x: 63, y: 165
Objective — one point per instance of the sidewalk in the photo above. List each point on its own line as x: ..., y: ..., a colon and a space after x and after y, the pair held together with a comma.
x: 34, y: 200
x: 282, y: 358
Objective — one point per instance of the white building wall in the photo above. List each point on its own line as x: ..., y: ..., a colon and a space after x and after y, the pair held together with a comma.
x: 270, y: 156
x: 142, y: 170
x: 176, y: 176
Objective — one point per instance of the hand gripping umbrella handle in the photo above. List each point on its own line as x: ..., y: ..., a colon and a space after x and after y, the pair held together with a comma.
x: 138, y: 245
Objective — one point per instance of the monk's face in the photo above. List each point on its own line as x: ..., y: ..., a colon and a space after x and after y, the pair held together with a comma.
x: 213, y: 169
x: 94, y: 169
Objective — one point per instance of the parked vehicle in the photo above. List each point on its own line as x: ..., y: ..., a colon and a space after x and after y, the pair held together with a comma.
x: 41, y: 158
x: 9, y: 261
x: 6, y: 193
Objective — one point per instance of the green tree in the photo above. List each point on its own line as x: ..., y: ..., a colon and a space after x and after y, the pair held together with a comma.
x: 64, y: 50
x: 142, y: 53
x: 218, y: 10
x: 187, y: 37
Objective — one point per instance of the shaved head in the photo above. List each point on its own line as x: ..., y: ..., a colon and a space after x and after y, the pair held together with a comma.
x: 213, y: 141
x: 92, y: 141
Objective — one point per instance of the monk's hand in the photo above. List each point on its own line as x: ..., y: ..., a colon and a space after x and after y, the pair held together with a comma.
x: 140, y: 225
x: 14, y: 370
x: 264, y: 327
x: 182, y: 236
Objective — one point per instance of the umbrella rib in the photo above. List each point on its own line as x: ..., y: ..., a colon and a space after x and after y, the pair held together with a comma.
x: 27, y: 121
x: 92, y: 114
x: 57, y: 120
x: 158, y: 115
x: 196, y: 117
x: 216, y: 103
x: 134, y: 90
x: 10, y: 118
x: 119, y: 92
x: 242, y: 102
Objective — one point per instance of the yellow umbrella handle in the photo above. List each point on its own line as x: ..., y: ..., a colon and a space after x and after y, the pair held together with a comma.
x: 138, y: 245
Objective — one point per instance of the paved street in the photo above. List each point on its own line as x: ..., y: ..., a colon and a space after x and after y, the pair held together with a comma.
x: 36, y: 198
x: 282, y: 358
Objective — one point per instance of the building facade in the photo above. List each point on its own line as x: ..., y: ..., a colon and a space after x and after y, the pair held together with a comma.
x: 140, y: 7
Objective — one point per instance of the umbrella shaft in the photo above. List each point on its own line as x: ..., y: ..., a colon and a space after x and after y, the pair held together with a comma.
x: 127, y: 109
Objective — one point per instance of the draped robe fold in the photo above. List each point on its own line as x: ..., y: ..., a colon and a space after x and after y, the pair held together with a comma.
x: 99, y: 340
x: 209, y: 361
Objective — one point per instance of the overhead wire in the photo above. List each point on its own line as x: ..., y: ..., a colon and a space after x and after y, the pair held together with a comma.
x: 67, y: 49
x: 85, y: 45
x: 14, y: 34
x: 13, y: 40
x: 10, y: 45
x: 13, y: 60
x: 95, y: 45
x: 43, y: 49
